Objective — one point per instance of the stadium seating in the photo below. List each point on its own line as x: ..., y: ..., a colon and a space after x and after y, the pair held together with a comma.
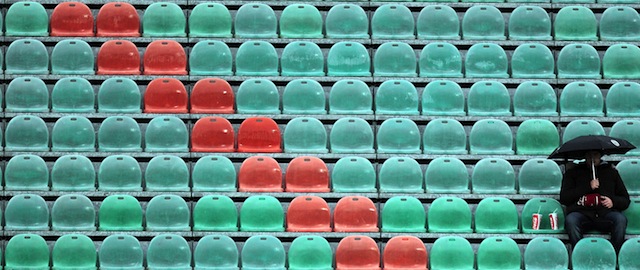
x: 303, y: 96
x: 119, y: 173
x: 210, y: 57
x: 438, y: 22
x: 168, y: 251
x: 310, y: 251
x: 486, y: 60
x: 216, y: 252
x: 255, y: 20
x: 212, y: 134
x: 575, y: 23
x: 73, y: 134
x: 166, y: 134
x: 117, y: 19
x: 210, y: 20
x: 491, y: 136
x: 26, y: 18
x: 346, y: 59
x: 167, y: 213
x: 619, y: 23
x: 212, y: 95
x: 118, y: 57
x: 529, y: 22
x: 26, y: 251
x: 260, y: 174
x: 119, y: 95
x: 542, y: 206
x: 400, y: 175
x: 256, y: 58
x: 546, y: 253
x: 443, y: 97
x: 73, y: 213
x: 618, y: 62
x: 120, y: 213
x: 578, y: 61
x: 483, y: 22
x: 166, y: 173
x: 350, y: 97
x: 488, y: 98
x: 621, y: 99
x: 73, y: 173
x: 498, y: 252
x: 165, y: 95
x: 493, y: 175
x: 539, y: 176
x: 215, y: 213
x: 355, y: 214
x: 396, y: 97
x: 532, y: 61
x: 306, y: 174
x: 537, y: 137
x: 403, y: 214
x: 392, y: 21
x: 261, y: 213
x: 308, y: 214
x: 74, y: 251
x: 213, y: 173
x: 73, y: 95
x: 119, y: 134
x: 26, y: 56
x: 535, y: 98
x: 449, y: 215
x: 440, y: 59
x: 627, y: 169
x: 258, y: 96
x: 300, y: 21
x: 259, y: 135
x: 398, y: 135
x: 357, y: 252
x: 394, y: 59
x: 26, y: 212
x: 27, y: 94
x: 347, y: 21
x: 626, y: 258
x: 496, y: 215
x: 405, y: 252
x: 351, y: 135
x: 26, y: 172
x: 353, y: 174
x: 164, y: 19
x: 120, y: 250
x: 452, y: 252
x: 263, y: 252
x: 593, y: 253
x: 446, y: 175
x: 164, y: 57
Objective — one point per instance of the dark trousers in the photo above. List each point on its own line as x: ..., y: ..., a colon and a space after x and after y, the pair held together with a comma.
x: 615, y: 222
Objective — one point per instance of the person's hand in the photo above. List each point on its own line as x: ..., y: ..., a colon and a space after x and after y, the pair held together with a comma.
x: 595, y: 183
x: 606, y: 201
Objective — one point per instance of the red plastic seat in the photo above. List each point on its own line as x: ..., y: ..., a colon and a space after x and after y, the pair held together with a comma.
x: 118, y: 19
x: 405, y: 252
x: 118, y: 57
x: 308, y: 214
x: 259, y: 135
x: 212, y: 95
x: 260, y: 174
x: 307, y: 174
x: 212, y: 134
x: 357, y: 252
x: 355, y: 214
x: 165, y: 57
x: 165, y: 95
x: 71, y: 19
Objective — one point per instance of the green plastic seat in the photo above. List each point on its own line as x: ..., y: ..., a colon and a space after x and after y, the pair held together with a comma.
x: 73, y: 133
x: 166, y: 134
x: 350, y: 97
x: 26, y: 251
x: 449, y: 215
x: 628, y: 130
x: 210, y: 57
x: 486, y: 60
x: 593, y: 253
x: 347, y: 58
x: 446, y: 175
x: 632, y: 213
x: 215, y: 213
x: 535, y: 98
x: 623, y: 99
x: 444, y: 136
x: 620, y: 23
x: 210, y: 20
x: 403, y: 214
x: 164, y: 19
x: 392, y: 21
x: 575, y: 23
x: 452, y: 252
x: 301, y: 21
x: 398, y: 135
x: 167, y: 213
x: 169, y: 252
x: 544, y: 253
x: 496, y: 215
x: 26, y: 212
x: 120, y: 251
x: 483, y: 22
x: 213, y: 173
x: 493, y: 176
x: 394, y: 59
x: 73, y: 213
x: 27, y: 94
x: 532, y: 61
x: 74, y: 251
x: 491, y: 136
x: 119, y: 95
x: 488, y: 98
x: 26, y: 18
x: 353, y: 174
x: 440, y: 60
x: 578, y: 60
x: 73, y: 173
x: 166, y: 173
x: 401, y: 175
x: 73, y: 95
x: 347, y: 21
x: 577, y: 128
x: 302, y: 58
x: 120, y: 213
x: 119, y: 173
x: 119, y: 134
x: 258, y: 96
x: 619, y: 62
x: 397, y: 97
x: 261, y: 213
x: 255, y: 20
x: 72, y: 56
x: 303, y: 96
x: 26, y: 133
x: 26, y: 56
x: 256, y: 58
x: 305, y: 135
x: 529, y: 23
x: 628, y: 169
x: 542, y: 206
x: 438, y: 22
x: 216, y: 252
x: 443, y: 97
x: 264, y: 252
x: 537, y: 137
x: 627, y: 257
x: 499, y: 252
x: 581, y: 99
x: 310, y: 252
x: 26, y: 172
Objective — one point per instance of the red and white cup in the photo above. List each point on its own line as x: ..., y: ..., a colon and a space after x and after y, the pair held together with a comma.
x: 553, y: 221
x: 535, y: 221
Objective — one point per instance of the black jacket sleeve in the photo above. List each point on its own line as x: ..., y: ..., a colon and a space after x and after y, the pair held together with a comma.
x: 571, y: 189
x: 621, y: 198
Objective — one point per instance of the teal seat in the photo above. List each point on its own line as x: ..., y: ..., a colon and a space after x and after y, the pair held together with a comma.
x: 578, y: 60
x: 167, y: 213
x: 166, y: 134
x: 394, y: 59
x: 120, y: 251
x: 261, y: 213
x: 166, y: 173
x: 73, y: 95
x: 403, y: 214
x: 210, y: 57
x: 535, y: 98
x: 452, y: 252
x: 303, y: 96
x: 169, y: 252
x: 443, y: 97
x: 27, y: 94
x: 577, y: 128
x: 258, y: 96
x: 593, y: 253
x: 119, y: 134
x: 353, y: 174
x: 26, y: 18
x: 491, y: 136
x: 532, y: 61
x: 263, y: 252
x: 483, y: 22
x: 73, y: 133
x: 628, y: 169
x: 486, y: 60
x: 74, y: 251
x: 208, y: 20
x: 628, y: 130
x: 26, y: 56
x: 544, y: 253
x: 215, y: 213
x: 529, y: 23
x: 401, y: 175
x: 73, y: 173
x: 398, y: 135
x: 256, y: 58
x: 350, y: 97
x: 449, y: 215
x: 310, y: 252
x: 581, y: 99
x: 305, y: 135
x: 540, y: 176
x: 575, y: 23
x: 488, y: 98
x: 446, y: 175
x: 444, y: 136
x: 119, y: 173
x: 26, y: 172
x: 347, y: 58
x: 119, y: 95
x: 392, y: 21
x: 302, y: 58
x: 26, y: 133
x: 72, y: 56
x: 73, y: 213
x: 438, y: 22
x: 213, y: 173
x: 301, y: 21
x: 216, y: 252
x: 542, y: 206
x: 120, y: 213
x: 255, y: 20
x: 440, y: 59
x: 623, y: 99
x: 493, y: 176
x: 627, y: 257
x: 496, y: 215
x: 537, y: 137
x: 397, y: 97
x: 499, y: 252
x: 164, y: 19
x: 347, y: 21
x: 26, y: 251
x: 26, y: 212
x: 619, y: 62
x: 632, y: 213
x: 620, y: 23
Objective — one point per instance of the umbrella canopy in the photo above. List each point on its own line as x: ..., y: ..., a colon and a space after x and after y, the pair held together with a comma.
x: 578, y: 147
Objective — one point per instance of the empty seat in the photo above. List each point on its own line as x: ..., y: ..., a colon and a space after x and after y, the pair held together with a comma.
x: 72, y: 56
x: 71, y: 19
x: 258, y: 96
x: 210, y: 20
x: 308, y: 214
x: 216, y: 252
x: 119, y: 95
x: 627, y: 258
x: 628, y: 169
x: 307, y: 174
x: 27, y: 94
x: 403, y: 214
x: 255, y: 20
x: 491, y: 136
x: 163, y: 19
x: 483, y: 22
x: 26, y: 212
x: 73, y: 173
x: 26, y: 56
x: 166, y: 173
x: 264, y: 252
x: 165, y: 95
x: 449, y: 215
x: 120, y: 213
x: 73, y: 133
x: 405, y: 252
x: 350, y: 97
x: 26, y: 251
x: 535, y: 98
x: 256, y: 58
x: 167, y: 213
x: 546, y: 253
x: 347, y: 58
x: 260, y: 174
x: 532, y: 61
x: 212, y: 134
x: 537, y: 137
x: 493, y: 176
x: 168, y: 251
x: 542, y: 206
x: 451, y: 252
x: 74, y: 251
x: 496, y: 215
x: 303, y: 96
x: 578, y: 60
x: 347, y: 21
x: 622, y: 99
x: 215, y: 213
x: 119, y: 134
x: 166, y: 134
x: 259, y: 135
x: 310, y: 252
x: 351, y: 135
x: 212, y: 95
x: 355, y: 214
x: 619, y: 61
x: 577, y: 128
x: 357, y: 252
x: 487, y: 98
x: 438, y: 22
x: 628, y: 130
x: 529, y: 23
x: 118, y: 57
x: 300, y: 21
x: 73, y: 213
x: 575, y: 23
x: 619, y: 23
x: 210, y: 57
x: 397, y: 97
x: 26, y: 133
x: 119, y: 173
x: 444, y: 136
x: 26, y: 172
x: 486, y: 60
x: 443, y: 97
x: 440, y: 59
x: 261, y: 214
x: 398, y: 135
x: 120, y: 251
x: 499, y: 252
x: 117, y: 19
x: 213, y: 173
x: 394, y: 59
x: 632, y: 213
x: 302, y: 58
x: 392, y: 21
x: 73, y: 94
x: 401, y: 174
x: 26, y: 18
x: 165, y: 57
x: 446, y: 175
x: 353, y: 174
x: 593, y: 253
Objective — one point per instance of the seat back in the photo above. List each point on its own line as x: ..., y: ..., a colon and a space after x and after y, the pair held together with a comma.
x: 119, y: 173
x: 493, y: 175
x: 448, y: 215
x: 438, y: 22
x: 394, y: 59
x: 532, y: 61
x: 571, y: 55
x: 258, y: 96
x: 215, y: 213
x: 499, y: 252
x: 119, y: 134
x: 26, y: 251
x: 26, y: 212
x: 167, y: 213
x: 346, y: 59
x: 621, y: 99
x: 212, y: 95
x: 166, y: 134
x: 355, y: 214
x: 255, y: 20
x: 308, y: 214
x: 491, y: 136
x: 72, y: 56
x: 353, y: 174
x: 350, y: 97
x: 440, y: 59
x: 119, y: 95
x: 212, y: 134
x: 496, y: 215
x: 26, y: 18
x: 535, y: 98
x: 166, y: 95
x: 443, y: 97
x: 398, y: 135
x: 259, y: 135
x: 618, y: 60
x: 593, y: 253
x: 486, y: 60
x: 529, y: 23
x: 73, y: 173
x: 392, y: 21
x: 210, y: 57
x: 26, y: 172
x: 546, y: 253
x: 74, y: 251
x: 120, y: 213
x: 263, y: 252
x: 405, y: 252
x: 26, y: 56
x: 117, y: 19
x: 168, y: 251
x: 213, y: 173
x: 73, y: 133
x: 26, y: 133
x: 256, y: 58
x: 403, y: 214
x: 628, y: 130
x: 357, y: 252
x: 539, y: 176
x: 446, y: 175
x: 347, y: 21
x: 487, y: 98
x: 210, y: 20
x: 261, y: 213
x: 73, y: 212
x: 402, y: 175
x: 166, y: 173
x: 120, y: 250
x: 575, y: 23
x: 628, y: 169
x: 619, y: 23
x: 483, y: 22
x: 164, y: 19
x: 216, y: 252
x: 581, y: 99
x: 542, y: 206
x: 307, y: 174
x: 260, y: 174
x: 118, y: 57
x: 632, y: 213
x: 73, y: 94
x: 165, y: 57
x: 351, y: 135
x: 310, y: 251
x: 27, y: 94
x: 577, y: 128
x: 302, y: 58
x: 626, y: 257
x: 452, y: 252
x: 303, y: 96
x: 537, y: 137
x: 444, y: 136
x: 71, y: 19
x: 397, y: 97
x: 300, y: 21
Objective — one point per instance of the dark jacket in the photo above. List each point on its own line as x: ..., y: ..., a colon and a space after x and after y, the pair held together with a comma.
x: 576, y: 183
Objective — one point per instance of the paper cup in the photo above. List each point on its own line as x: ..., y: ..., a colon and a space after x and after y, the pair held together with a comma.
x: 535, y: 221
x: 553, y: 221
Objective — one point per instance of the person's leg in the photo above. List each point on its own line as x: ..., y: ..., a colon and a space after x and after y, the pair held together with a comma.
x: 618, y: 228
x: 574, y: 224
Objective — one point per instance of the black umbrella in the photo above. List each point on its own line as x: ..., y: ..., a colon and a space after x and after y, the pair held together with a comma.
x: 576, y: 148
